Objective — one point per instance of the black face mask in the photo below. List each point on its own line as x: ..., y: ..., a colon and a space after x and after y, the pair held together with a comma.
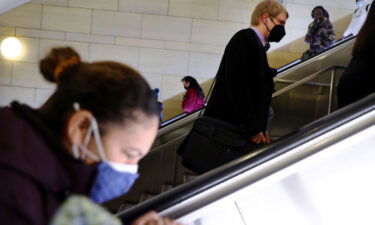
x: 277, y: 33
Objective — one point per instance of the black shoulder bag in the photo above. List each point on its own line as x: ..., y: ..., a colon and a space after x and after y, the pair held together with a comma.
x: 213, y: 142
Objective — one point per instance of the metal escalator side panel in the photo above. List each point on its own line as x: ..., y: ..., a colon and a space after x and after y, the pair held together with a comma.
x: 331, y: 186
x: 236, y: 169
x: 345, y: 134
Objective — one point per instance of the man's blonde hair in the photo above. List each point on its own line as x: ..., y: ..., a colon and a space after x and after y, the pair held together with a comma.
x: 271, y: 7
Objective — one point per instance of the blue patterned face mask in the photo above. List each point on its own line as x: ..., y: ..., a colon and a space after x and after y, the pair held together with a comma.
x: 111, y: 182
x: 114, y: 179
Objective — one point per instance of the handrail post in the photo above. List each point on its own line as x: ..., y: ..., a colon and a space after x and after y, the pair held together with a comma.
x: 331, y: 89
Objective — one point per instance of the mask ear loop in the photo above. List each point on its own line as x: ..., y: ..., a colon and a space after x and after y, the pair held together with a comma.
x: 265, y: 24
x: 84, y: 150
x: 99, y: 145
x: 90, y: 154
x: 75, y: 151
x: 86, y: 141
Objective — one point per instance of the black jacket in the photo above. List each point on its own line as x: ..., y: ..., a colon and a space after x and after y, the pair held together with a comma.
x: 358, y: 80
x: 244, y: 84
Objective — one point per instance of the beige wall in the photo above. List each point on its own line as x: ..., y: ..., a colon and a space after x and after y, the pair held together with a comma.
x: 164, y: 39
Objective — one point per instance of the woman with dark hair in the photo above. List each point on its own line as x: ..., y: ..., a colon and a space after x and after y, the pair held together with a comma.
x: 86, y: 139
x: 320, y: 34
x: 358, y: 80
x: 194, y: 97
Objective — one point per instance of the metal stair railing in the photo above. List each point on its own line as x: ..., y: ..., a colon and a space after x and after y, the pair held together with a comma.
x: 192, y: 117
x: 305, y: 80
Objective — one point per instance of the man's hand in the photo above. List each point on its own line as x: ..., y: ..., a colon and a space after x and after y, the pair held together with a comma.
x: 259, y: 138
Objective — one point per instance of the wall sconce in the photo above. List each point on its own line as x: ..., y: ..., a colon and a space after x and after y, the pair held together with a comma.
x: 11, y: 48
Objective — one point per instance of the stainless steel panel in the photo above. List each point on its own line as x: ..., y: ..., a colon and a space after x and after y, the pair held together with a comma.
x: 324, y: 180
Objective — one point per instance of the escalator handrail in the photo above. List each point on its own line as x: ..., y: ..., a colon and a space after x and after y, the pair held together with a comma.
x: 179, y: 117
x: 180, y: 121
x: 299, y: 61
x: 237, y: 167
x: 184, y: 119
x: 306, y: 79
x: 282, y: 73
x: 280, y: 70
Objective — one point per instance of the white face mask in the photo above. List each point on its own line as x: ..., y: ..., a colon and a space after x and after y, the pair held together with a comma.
x: 126, y: 168
x: 360, y: 4
x: 80, y: 151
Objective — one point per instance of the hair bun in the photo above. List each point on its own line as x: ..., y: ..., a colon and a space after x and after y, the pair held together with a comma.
x: 57, y: 62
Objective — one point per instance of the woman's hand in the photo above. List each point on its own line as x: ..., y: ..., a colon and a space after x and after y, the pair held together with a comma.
x: 152, y: 218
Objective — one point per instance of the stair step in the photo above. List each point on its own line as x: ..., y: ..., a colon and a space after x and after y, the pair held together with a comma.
x: 188, y: 177
x: 146, y: 196
x: 166, y: 187
x: 125, y: 206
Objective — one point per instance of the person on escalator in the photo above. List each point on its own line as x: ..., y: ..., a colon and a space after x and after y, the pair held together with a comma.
x: 359, y: 78
x: 320, y: 34
x: 194, y: 98
x: 358, y: 18
x: 244, y: 82
x: 160, y: 104
x: 86, y: 139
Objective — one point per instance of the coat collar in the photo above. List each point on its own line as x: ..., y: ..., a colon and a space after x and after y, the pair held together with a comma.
x: 41, y: 156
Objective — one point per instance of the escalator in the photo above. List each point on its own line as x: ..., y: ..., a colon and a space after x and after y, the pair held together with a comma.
x: 338, y: 55
x: 304, y: 93
x: 320, y: 174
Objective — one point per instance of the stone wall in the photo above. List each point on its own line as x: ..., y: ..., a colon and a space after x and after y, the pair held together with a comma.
x: 163, y: 39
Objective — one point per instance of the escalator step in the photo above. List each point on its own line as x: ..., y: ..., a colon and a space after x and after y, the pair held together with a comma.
x: 125, y: 206
x: 166, y: 187
x: 188, y: 177
x: 146, y: 196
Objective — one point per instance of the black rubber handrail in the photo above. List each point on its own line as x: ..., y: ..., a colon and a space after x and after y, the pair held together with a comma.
x: 279, y: 70
x: 299, y: 61
x: 237, y: 167
x: 178, y: 117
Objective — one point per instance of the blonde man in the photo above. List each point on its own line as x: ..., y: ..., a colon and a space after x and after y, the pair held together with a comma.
x: 244, y: 81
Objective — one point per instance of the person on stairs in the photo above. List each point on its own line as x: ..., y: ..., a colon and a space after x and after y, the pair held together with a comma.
x: 244, y: 82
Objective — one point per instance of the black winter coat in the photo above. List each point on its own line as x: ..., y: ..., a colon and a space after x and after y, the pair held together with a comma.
x: 244, y: 84
x: 36, y: 173
x: 358, y: 80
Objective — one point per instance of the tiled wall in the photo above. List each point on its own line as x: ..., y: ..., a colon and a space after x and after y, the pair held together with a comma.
x: 164, y: 39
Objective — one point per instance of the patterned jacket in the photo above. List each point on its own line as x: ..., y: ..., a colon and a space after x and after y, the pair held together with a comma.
x: 320, y: 35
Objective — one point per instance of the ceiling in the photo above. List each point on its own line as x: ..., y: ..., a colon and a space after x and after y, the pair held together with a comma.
x: 6, y: 5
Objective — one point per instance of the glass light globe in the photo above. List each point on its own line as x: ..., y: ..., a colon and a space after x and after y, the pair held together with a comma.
x: 11, y: 48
